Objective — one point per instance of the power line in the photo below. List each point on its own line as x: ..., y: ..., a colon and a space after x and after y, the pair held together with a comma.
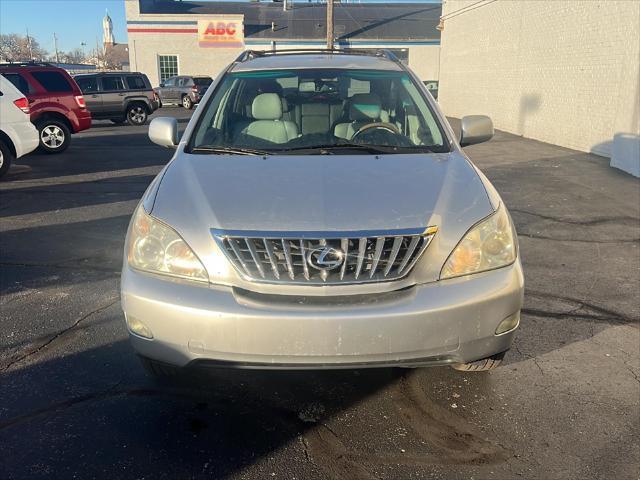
x: 468, y: 8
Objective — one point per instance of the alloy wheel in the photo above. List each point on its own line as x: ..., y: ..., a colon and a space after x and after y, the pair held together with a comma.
x: 52, y: 136
x: 137, y: 115
x: 1, y: 159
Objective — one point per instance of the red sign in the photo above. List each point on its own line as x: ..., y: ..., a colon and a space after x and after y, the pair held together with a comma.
x: 221, y: 33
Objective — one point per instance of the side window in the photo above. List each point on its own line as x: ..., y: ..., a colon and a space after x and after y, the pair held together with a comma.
x: 187, y: 81
x: 18, y: 81
x: 167, y: 66
x: 112, y: 83
x: 135, y: 82
x: 52, y: 81
x: 169, y: 82
x: 87, y: 84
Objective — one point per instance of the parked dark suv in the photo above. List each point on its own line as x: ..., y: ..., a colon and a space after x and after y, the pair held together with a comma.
x: 120, y: 97
x: 57, y: 107
x: 183, y: 90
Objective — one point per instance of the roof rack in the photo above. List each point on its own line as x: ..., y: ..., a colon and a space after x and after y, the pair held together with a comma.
x: 381, y: 52
x: 26, y: 64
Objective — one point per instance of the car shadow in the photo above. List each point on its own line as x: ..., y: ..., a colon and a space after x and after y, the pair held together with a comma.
x: 94, y: 413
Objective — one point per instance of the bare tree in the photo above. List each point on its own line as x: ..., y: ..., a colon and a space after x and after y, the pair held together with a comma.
x: 18, y: 48
x: 74, y: 56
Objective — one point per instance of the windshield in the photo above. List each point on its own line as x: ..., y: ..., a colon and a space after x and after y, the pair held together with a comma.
x: 202, y: 81
x: 318, y: 111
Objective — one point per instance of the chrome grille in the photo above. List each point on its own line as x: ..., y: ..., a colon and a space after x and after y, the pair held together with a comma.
x: 349, y: 257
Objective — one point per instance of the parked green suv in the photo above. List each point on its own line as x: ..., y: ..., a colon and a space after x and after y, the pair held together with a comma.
x: 118, y: 96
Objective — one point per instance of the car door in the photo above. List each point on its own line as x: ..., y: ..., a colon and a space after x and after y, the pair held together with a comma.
x: 184, y: 87
x: 177, y: 90
x: 91, y: 92
x: 166, y: 91
x: 113, y: 93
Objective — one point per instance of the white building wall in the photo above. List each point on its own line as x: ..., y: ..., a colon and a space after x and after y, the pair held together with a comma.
x: 564, y: 72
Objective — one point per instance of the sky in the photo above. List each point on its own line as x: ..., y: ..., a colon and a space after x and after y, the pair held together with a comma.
x: 73, y: 21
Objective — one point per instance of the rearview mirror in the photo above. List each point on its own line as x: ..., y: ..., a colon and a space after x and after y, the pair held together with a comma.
x: 475, y: 129
x: 163, y: 131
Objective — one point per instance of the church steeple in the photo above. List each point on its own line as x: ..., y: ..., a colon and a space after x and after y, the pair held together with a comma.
x: 107, y: 30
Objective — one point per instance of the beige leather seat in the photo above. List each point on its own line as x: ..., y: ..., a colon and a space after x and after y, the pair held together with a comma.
x: 268, y: 124
x: 364, y: 108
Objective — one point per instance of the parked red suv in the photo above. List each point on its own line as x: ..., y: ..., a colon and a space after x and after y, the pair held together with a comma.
x: 55, y: 101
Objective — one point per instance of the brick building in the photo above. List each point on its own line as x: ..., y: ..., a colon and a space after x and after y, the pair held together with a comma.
x: 564, y: 72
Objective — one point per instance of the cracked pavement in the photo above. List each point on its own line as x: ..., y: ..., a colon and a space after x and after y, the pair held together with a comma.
x: 75, y: 402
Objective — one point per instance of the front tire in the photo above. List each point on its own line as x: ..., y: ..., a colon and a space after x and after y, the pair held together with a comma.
x: 137, y: 114
x: 6, y: 158
x: 54, y: 136
x: 481, y: 365
x: 187, y: 102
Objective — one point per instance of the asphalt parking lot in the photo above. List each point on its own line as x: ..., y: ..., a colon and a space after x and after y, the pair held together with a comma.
x: 75, y: 403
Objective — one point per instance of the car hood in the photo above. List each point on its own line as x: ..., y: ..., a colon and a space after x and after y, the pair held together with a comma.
x: 321, y: 193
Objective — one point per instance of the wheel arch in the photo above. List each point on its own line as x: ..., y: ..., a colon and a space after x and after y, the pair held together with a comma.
x: 6, y: 139
x: 54, y: 116
x: 137, y: 100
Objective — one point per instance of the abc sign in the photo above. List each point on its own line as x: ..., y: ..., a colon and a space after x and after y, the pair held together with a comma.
x: 221, y: 28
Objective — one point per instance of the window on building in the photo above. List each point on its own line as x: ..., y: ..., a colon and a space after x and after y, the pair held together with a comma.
x: 18, y: 81
x: 135, y: 82
x: 168, y: 66
x: 52, y: 81
x: 87, y: 84
x: 110, y: 83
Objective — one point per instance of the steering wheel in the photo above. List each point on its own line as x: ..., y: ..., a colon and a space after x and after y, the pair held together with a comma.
x: 389, y: 127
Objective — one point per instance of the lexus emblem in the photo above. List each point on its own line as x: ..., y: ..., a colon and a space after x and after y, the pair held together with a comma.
x: 325, y: 258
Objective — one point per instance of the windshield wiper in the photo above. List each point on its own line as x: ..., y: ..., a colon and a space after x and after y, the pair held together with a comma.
x: 373, y: 149
x: 331, y: 148
x: 229, y: 150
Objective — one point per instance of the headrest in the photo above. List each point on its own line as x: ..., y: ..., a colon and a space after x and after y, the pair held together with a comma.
x: 365, y: 106
x: 267, y: 106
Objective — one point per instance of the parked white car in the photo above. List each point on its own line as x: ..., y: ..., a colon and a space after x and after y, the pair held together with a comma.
x: 18, y: 136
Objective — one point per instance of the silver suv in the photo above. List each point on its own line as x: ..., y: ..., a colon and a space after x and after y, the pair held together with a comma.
x: 319, y: 213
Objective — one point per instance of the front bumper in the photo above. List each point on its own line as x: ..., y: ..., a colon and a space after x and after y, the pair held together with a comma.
x: 452, y: 321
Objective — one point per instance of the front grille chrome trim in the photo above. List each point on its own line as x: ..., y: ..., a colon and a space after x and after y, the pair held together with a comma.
x: 367, y: 256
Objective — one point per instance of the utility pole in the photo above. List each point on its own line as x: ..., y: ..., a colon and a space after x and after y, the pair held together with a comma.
x: 330, y: 24
x: 55, y: 46
x: 97, y: 54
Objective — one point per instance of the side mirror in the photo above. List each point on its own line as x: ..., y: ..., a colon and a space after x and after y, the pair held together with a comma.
x: 162, y: 85
x: 163, y: 131
x: 475, y: 129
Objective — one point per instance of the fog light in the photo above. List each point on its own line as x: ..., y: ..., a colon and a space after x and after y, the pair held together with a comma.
x: 138, y: 327
x: 508, y: 323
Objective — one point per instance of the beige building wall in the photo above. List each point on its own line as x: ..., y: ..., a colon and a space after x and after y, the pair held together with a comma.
x: 564, y: 72
x: 425, y: 61
x: 144, y: 49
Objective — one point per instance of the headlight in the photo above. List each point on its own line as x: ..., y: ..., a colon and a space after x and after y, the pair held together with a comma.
x: 157, y: 248
x: 488, y: 245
